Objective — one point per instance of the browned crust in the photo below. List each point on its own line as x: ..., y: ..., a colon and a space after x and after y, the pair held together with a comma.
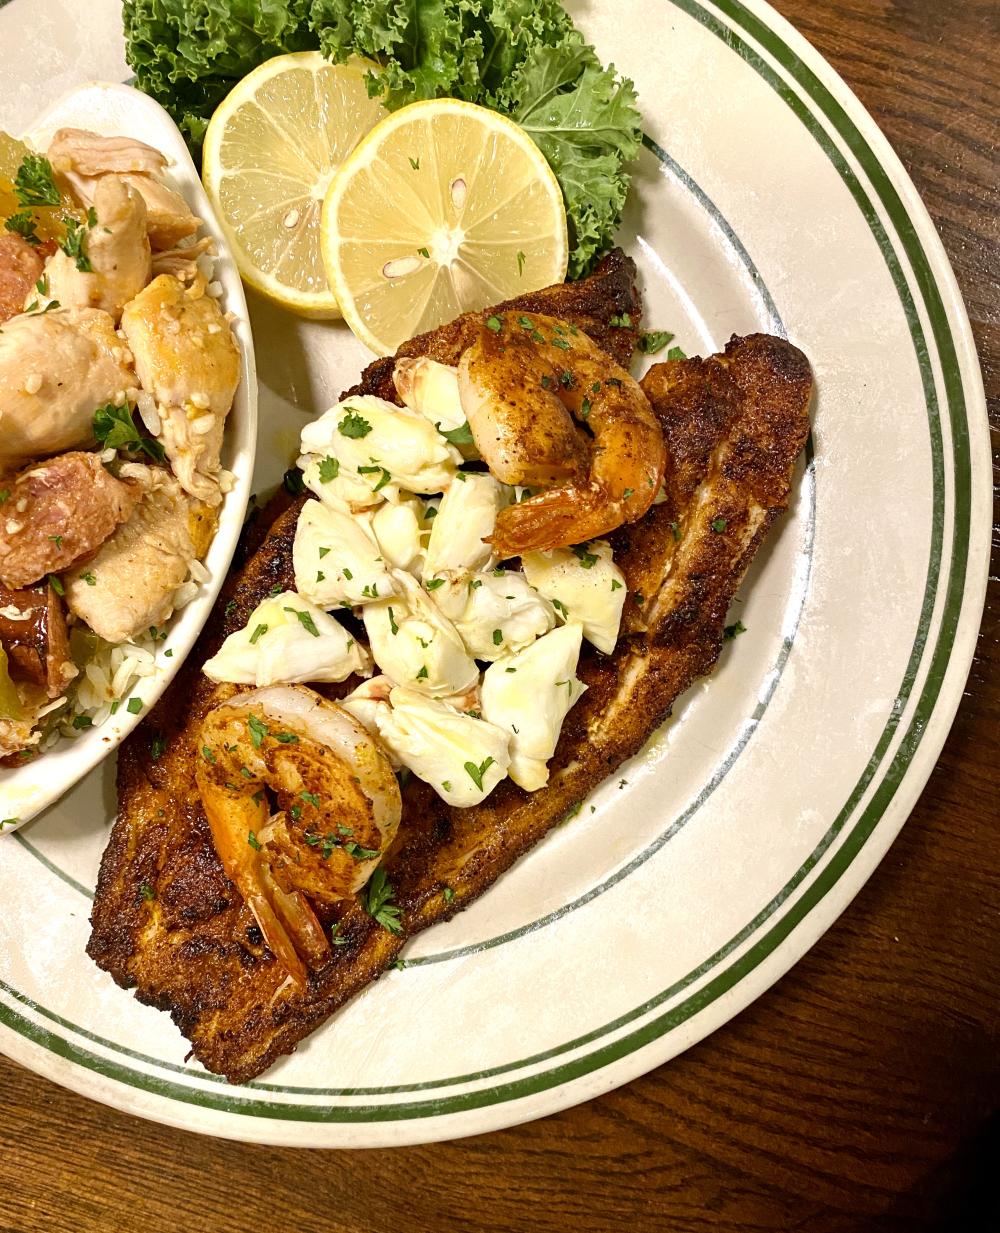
x: 736, y: 423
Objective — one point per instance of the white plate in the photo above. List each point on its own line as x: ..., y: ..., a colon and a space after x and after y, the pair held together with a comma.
x: 756, y: 815
x: 113, y: 108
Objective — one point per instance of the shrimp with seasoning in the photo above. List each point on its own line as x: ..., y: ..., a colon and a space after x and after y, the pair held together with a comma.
x: 548, y: 409
x: 337, y: 810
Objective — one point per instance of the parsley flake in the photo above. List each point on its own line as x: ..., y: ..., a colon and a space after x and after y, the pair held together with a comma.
x: 34, y: 184
x: 305, y: 620
x: 354, y: 426
x: 376, y: 899
x: 329, y: 469
x: 476, y: 773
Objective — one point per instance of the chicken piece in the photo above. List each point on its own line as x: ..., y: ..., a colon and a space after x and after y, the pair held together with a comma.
x: 186, y: 357
x: 168, y: 215
x: 116, y: 248
x: 20, y: 268
x: 182, y: 262
x: 56, y: 369
x: 34, y: 636
x: 91, y: 154
x: 58, y: 513
x: 82, y: 158
x: 129, y: 584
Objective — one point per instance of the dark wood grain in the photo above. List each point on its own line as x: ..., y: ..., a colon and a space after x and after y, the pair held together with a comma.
x: 862, y: 1093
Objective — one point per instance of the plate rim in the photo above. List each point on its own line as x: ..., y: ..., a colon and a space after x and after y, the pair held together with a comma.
x: 916, y: 770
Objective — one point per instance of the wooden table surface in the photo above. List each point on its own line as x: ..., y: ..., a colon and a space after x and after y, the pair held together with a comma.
x: 861, y: 1093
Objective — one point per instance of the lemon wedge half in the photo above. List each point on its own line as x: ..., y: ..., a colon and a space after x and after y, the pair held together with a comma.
x: 443, y: 207
x: 271, y: 150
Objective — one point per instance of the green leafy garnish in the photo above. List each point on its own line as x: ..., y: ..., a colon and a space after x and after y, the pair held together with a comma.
x: 34, y: 184
x: 732, y: 631
x: 587, y: 559
x: 329, y: 469
x: 73, y: 244
x: 376, y: 899
x: 462, y: 435
x: 476, y: 773
x: 354, y: 426
x: 23, y: 224
x: 653, y: 341
x: 676, y: 353
x: 305, y: 620
x: 253, y: 841
x: 115, y: 429
x: 258, y: 730
x: 258, y: 632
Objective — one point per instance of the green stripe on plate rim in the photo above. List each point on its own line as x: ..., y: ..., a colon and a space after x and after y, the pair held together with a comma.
x: 873, y: 812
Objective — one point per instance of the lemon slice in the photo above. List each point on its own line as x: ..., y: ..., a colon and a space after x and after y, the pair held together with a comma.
x: 271, y: 150
x: 444, y: 207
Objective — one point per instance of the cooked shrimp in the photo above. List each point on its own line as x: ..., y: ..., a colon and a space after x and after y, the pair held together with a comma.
x: 338, y: 810
x: 522, y: 386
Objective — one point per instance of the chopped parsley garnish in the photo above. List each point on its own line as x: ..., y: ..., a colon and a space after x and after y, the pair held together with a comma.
x: 82, y: 721
x: 615, y: 584
x: 73, y: 245
x: 676, y: 353
x: 627, y: 493
x: 719, y: 525
x: 424, y: 253
x: 354, y: 426
x: 34, y: 184
x: 335, y: 937
x: 431, y: 512
x: 587, y: 559
x: 561, y: 343
x: 432, y: 584
x: 310, y: 798
x: 497, y: 637
x: 376, y: 899
x: 258, y: 632
x: 57, y: 540
x: 460, y: 475
x: 207, y: 754
x: 90, y: 579
x: 134, y: 706
x: 320, y: 576
x: 676, y: 529
x: 422, y: 674
x: 346, y: 572
x: 393, y: 627
x: 293, y: 482
x: 329, y: 469
x: 585, y: 408
x: 546, y: 381
x: 305, y: 620
x: 4, y: 495
x: 447, y: 894
x: 253, y: 841
x: 446, y: 784
x: 474, y: 584
x: 386, y: 475
x: 23, y: 224
x: 230, y: 607
x: 560, y: 607
x: 146, y: 891
x: 622, y: 322
x: 415, y: 164
x: 521, y: 258
x: 157, y: 746
x: 653, y: 341
x: 323, y: 552
x: 732, y: 631
x: 56, y: 584
x: 258, y: 730
x: 115, y: 429
x: 286, y: 738
x: 370, y: 591
x: 462, y: 435
x: 359, y: 853
x: 494, y: 323
x: 476, y: 773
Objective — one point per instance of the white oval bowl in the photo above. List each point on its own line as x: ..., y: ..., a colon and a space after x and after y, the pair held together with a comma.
x: 111, y: 109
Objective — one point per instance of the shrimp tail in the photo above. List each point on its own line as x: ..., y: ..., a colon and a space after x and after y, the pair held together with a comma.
x: 555, y: 518
x: 293, y: 932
